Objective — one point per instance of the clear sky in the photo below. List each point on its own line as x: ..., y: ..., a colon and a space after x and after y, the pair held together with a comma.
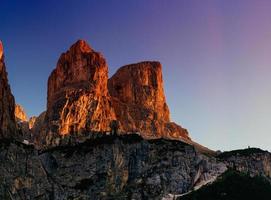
x: 216, y: 56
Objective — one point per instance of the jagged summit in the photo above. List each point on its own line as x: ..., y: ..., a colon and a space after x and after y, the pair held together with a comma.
x: 81, y: 45
x: 81, y: 98
x: 78, y: 99
x: 79, y: 67
x: 20, y: 113
x: 1, y: 49
x: 110, y: 163
x: 7, y: 102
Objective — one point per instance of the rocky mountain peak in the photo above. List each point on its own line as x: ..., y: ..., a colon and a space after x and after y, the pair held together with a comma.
x: 81, y: 99
x: 78, y: 68
x: 78, y: 99
x: 81, y: 46
x: 20, y: 113
x: 141, y: 85
x: 7, y: 102
x: 138, y: 98
x: 1, y: 49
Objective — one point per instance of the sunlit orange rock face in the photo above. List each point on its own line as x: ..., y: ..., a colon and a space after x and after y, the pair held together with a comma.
x: 139, y: 102
x: 7, y: 103
x: 81, y: 99
x: 32, y: 121
x: 78, y: 99
x: 1, y: 50
x: 20, y: 114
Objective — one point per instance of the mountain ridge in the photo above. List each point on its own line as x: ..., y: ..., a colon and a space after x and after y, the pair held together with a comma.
x: 106, y: 138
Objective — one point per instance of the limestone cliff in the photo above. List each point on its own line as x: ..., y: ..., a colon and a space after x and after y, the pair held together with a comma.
x: 138, y: 98
x: 78, y: 99
x: 115, y: 167
x: 252, y: 161
x: 81, y: 100
x: 108, y: 167
x: 32, y: 121
x: 20, y: 113
x: 7, y: 103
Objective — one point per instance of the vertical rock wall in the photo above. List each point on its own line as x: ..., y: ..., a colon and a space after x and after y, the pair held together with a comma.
x: 7, y: 103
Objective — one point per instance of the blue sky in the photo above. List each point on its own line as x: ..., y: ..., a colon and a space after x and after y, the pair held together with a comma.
x: 215, y: 56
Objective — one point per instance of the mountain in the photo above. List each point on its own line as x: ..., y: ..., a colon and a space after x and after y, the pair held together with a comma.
x: 233, y: 185
x: 82, y: 101
x: 78, y: 99
x: 138, y: 98
x: 111, y: 138
x: 20, y: 114
x: 7, y: 102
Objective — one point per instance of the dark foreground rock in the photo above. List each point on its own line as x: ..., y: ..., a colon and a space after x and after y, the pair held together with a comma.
x: 7, y: 102
x: 115, y: 167
x: 233, y: 185
x: 108, y: 167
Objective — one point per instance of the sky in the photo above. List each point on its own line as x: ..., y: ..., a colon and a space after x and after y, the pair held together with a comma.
x: 216, y: 56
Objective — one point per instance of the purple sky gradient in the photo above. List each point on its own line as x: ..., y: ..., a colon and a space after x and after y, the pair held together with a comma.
x: 215, y: 55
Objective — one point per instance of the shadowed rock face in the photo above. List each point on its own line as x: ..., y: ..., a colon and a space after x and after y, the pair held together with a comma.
x: 108, y: 167
x: 7, y: 103
x: 115, y: 167
x: 138, y: 98
x: 78, y: 99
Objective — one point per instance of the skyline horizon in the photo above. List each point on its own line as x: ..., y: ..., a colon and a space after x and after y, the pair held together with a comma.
x: 29, y: 116
x: 215, y: 57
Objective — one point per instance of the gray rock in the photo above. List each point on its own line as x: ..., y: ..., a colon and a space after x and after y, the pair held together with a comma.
x: 112, y: 167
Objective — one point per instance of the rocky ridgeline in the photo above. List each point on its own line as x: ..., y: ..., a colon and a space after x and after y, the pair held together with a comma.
x: 252, y: 161
x: 82, y: 101
x: 7, y: 102
x: 91, y: 149
x: 20, y: 114
x: 116, y: 167
x: 109, y: 167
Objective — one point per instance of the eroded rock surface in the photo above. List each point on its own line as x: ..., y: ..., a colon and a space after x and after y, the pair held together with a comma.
x: 101, y: 166
x: 108, y: 167
x: 78, y: 99
x: 81, y: 100
x: 115, y: 167
x: 252, y: 161
x: 7, y: 103
x: 20, y: 114
x: 1, y: 50
x: 32, y: 121
x: 138, y: 98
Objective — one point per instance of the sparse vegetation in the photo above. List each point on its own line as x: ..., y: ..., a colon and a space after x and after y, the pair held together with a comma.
x: 233, y: 185
x: 240, y: 152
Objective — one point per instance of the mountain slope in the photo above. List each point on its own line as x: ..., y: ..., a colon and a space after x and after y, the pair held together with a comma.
x: 103, y: 167
x: 233, y: 185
